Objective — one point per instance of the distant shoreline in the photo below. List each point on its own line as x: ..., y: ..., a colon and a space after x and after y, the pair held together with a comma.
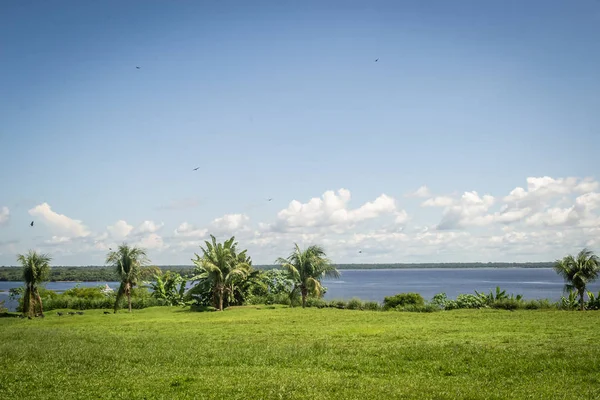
x: 106, y: 274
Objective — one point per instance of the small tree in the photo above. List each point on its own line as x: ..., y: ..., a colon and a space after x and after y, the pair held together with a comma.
x: 306, y: 268
x: 36, y: 269
x: 128, y: 262
x: 221, y: 269
x: 578, y: 272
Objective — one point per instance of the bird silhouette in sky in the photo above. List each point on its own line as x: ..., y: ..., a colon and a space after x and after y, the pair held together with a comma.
x: 31, y: 223
x: 138, y: 67
x: 377, y: 59
x: 269, y: 199
x: 196, y: 169
x: 360, y: 251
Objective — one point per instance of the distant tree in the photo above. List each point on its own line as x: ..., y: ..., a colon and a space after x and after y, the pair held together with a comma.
x: 36, y: 269
x: 306, y: 268
x: 221, y: 268
x: 128, y: 263
x: 578, y: 272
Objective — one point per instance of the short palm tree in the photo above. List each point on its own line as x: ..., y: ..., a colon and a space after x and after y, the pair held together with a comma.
x: 221, y: 268
x: 578, y: 271
x: 128, y: 262
x: 36, y: 269
x: 306, y: 268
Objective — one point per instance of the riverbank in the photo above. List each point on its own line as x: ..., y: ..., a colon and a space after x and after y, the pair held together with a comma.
x: 278, y: 352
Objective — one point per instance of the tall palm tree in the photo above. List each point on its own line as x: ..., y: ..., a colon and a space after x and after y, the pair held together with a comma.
x: 221, y: 268
x: 306, y: 268
x: 128, y: 262
x: 578, y: 271
x: 36, y: 269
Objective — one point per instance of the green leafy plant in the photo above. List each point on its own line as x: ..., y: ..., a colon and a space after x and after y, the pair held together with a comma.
x: 578, y: 272
x: 571, y: 302
x: 306, y: 268
x: 403, y: 299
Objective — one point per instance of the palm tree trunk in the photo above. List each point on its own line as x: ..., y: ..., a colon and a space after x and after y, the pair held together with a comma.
x: 221, y: 298
x: 581, y: 300
x: 304, y: 294
x: 129, y: 296
x: 39, y: 301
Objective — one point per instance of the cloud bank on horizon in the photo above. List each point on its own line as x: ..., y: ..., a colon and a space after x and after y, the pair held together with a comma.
x: 539, y: 222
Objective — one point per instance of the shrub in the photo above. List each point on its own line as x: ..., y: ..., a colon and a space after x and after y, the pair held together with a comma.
x: 569, y: 303
x: 506, y: 304
x: 200, y: 308
x: 355, y: 304
x: 594, y: 301
x: 3, y: 309
x: 403, y: 299
x: 315, y: 302
x: 418, y: 308
x: 371, y: 306
x: 341, y: 304
x: 542, y: 304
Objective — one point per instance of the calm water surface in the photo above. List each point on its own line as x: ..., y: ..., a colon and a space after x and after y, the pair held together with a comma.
x: 375, y: 284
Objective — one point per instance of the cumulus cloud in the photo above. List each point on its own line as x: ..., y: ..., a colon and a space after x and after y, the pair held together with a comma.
x: 148, y: 227
x: 188, y: 230
x: 229, y: 224
x: 120, y: 230
x: 4, y: 215
x: 59, y: 222
x: 470, y: 210
x: 423, y: 191
x: 331, y: 210
x: 440, y: 201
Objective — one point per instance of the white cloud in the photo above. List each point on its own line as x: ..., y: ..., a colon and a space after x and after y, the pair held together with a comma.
x: 152, y: 242
x: 423, y: 191
x: 229, y: 224
x: 470, y: 210
x: 188, y: 230
x: 4, y: 215
x: 331, y: 210
x: 148, y: 227
x: 59, y: 222
x: 120, y: 230
x: 440, y: 201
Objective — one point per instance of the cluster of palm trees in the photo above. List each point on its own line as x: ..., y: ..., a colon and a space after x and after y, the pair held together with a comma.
x: 222, y: 269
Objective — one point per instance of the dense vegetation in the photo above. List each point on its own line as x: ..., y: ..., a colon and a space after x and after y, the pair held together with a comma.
x: 250, y: 353
x: 106, y: 274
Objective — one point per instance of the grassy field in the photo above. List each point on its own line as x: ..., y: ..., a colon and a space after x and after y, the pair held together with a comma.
x: 282, y: 353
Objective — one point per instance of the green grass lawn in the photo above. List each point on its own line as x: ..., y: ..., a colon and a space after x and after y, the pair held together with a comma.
x: 282, y: 353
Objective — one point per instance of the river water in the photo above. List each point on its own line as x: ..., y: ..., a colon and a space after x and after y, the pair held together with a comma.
x: 375, y: 284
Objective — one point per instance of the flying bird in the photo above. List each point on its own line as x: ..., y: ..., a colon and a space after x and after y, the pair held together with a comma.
x: 269, y: 199
x: 377, y: 59
x: 138, y: 67
x: 196, y: 169
x: 31, y: 224
x: 360, y: 251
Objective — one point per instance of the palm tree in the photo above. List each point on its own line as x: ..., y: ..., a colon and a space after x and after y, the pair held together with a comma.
x: 128, y: 262
x: 578, y: 272
x: 221, y: 268
x: 36, y: 269
x: 307, y: 268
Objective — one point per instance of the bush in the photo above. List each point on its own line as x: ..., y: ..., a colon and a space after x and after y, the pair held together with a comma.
x: 355, y: 304
x: 506, y: 304
x: 341, y: 304
x: 3, y: 309
x: 403, y: 299
x: 418, y: 308
x: 199, y: 308
x: 315, y: 302
x: 371, y: 306
x: 594, y: 301
x: 543, y: 304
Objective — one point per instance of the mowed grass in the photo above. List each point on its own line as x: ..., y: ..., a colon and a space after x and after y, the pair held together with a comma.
x: 282, y: 353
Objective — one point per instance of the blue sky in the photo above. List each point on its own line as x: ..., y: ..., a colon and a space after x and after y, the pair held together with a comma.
x: 284, y: 100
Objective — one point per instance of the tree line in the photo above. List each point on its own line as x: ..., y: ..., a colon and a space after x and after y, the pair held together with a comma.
x: 223, y: 275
